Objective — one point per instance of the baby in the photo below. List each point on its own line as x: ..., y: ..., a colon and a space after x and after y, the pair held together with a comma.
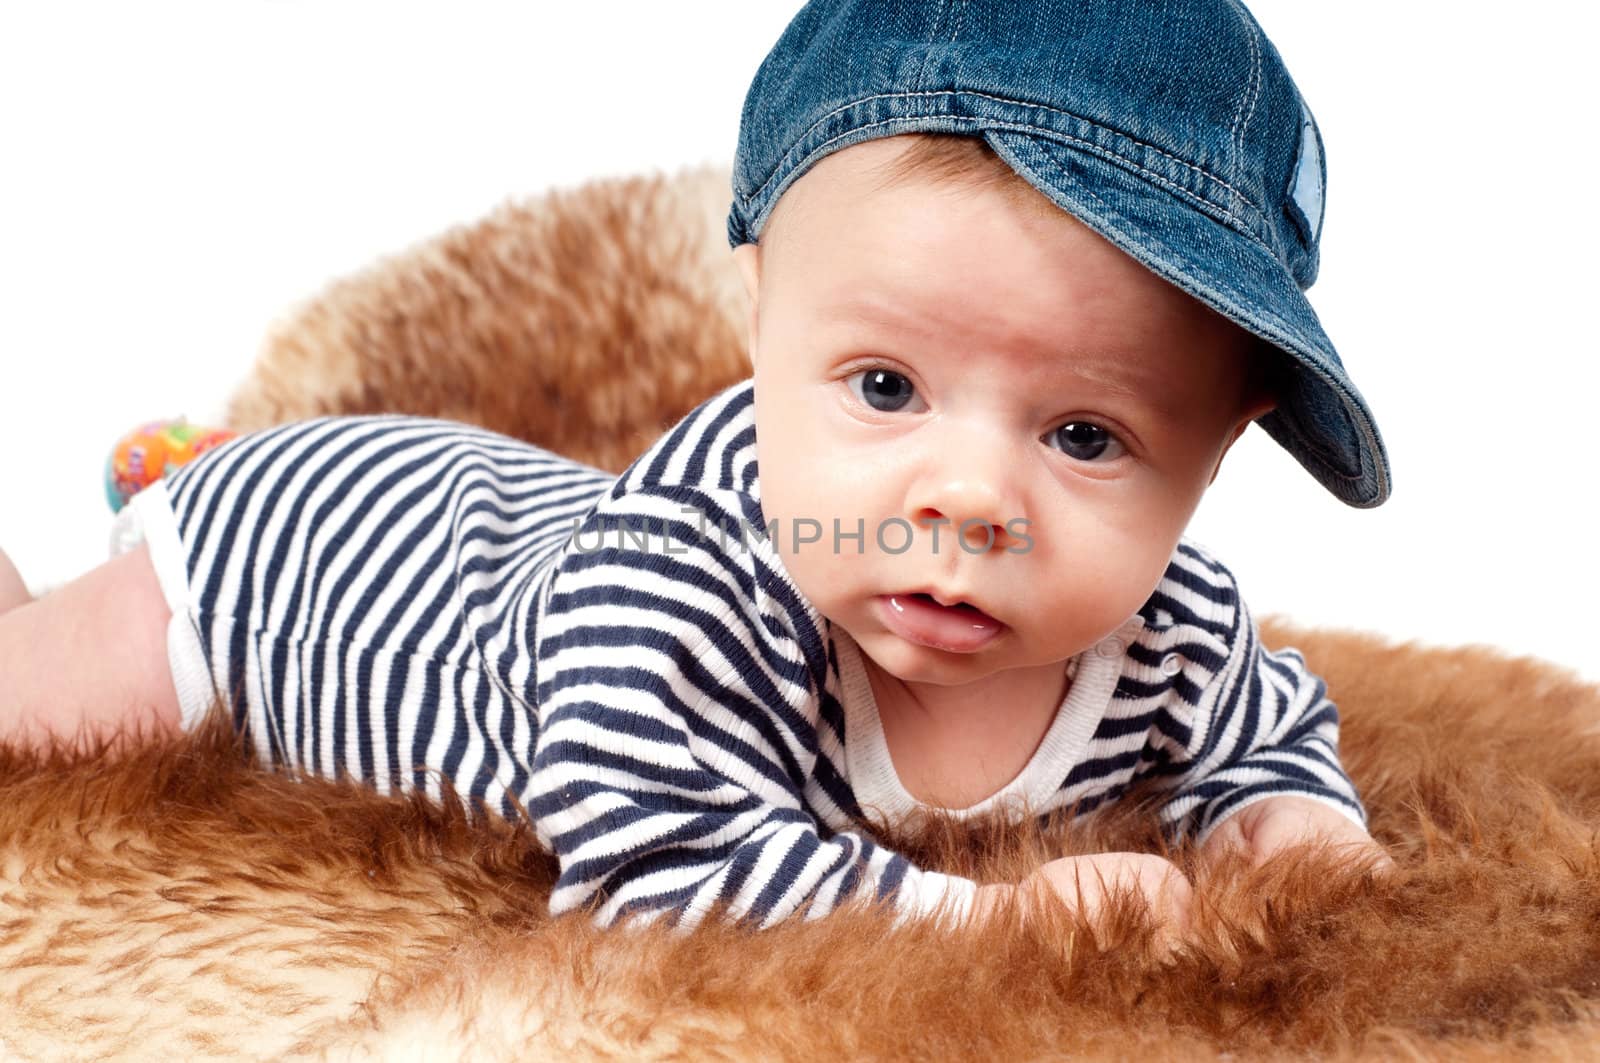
x: 1019, y: 276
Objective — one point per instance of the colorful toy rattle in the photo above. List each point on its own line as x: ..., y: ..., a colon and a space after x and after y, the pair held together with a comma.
x: 152, y: 451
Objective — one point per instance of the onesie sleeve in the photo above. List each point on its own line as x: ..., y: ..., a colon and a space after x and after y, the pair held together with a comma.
x: 677, y: 732
x: 1264, y: 726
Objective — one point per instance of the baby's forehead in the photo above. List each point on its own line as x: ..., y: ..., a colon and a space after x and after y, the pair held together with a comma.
x: 960, y: 272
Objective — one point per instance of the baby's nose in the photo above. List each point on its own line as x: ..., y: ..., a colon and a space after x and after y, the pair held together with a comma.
x: 975, y: 533
x: 976, y: 506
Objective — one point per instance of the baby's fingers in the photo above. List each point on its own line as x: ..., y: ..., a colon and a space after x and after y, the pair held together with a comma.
x: 1171, y: 900
x: 1087, y: 883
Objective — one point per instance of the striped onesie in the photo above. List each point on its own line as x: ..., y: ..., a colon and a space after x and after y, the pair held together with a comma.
x: 625, y: 660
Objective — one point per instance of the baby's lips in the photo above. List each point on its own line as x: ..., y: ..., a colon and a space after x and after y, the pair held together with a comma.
x: 958, y: 628
x: 946, y: 600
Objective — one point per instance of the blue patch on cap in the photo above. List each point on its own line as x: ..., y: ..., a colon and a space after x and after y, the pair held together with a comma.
x: 1305, y: 184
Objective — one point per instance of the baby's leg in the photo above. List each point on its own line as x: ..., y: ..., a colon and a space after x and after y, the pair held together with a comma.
x: 89, y: 658
x: 13, y: 592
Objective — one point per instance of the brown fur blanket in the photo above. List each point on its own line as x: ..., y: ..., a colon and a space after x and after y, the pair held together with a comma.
x: 182, y: 903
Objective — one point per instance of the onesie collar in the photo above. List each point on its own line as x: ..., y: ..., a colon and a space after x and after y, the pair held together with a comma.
x: 870, y: 768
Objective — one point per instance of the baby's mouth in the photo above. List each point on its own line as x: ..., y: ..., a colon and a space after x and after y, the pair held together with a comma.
x: 960, y: 627
x: 923, y: 596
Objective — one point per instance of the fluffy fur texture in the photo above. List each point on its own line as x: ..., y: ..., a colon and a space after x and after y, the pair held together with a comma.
x: 182, y: 902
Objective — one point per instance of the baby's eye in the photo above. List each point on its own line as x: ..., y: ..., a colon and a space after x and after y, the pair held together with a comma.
x: 883, y: 390
x: 1086, y: 442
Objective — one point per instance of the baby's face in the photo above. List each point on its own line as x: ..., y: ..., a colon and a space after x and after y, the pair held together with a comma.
x: 933, y: 353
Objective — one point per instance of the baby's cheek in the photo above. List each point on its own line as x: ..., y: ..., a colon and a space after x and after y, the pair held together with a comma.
x: 1099, y: 580
x: 1145, y: 533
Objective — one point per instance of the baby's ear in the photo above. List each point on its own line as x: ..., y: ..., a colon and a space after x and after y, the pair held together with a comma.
x: 748, y: 258
x: 1264, y: 379
x: 1256, y: 406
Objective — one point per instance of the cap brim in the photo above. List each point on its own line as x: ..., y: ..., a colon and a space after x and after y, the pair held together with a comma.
x: 1321, y: 418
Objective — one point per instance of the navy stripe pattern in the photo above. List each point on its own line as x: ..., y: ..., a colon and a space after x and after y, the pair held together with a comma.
x: 1256, y: 724
x: 365, y: 590
x: 626, y: 661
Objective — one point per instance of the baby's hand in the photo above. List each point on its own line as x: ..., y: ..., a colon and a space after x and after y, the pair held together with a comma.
x: 1085, y: 883
x: 1276, y: 823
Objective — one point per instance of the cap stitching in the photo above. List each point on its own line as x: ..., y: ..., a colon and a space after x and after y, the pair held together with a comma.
x: 927, y: 56
x: 1202, y: 171
x: 1240, y: 224
x: 1238, y: 131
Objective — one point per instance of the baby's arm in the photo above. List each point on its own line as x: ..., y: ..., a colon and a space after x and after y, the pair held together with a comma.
x: 1264, y: 754
x: 675, y: 743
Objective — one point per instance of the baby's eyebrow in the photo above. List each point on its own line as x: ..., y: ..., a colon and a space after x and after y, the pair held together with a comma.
x: 860, y: 316
x: 1145, y: 387
x: 1111, y: 377
x: 853, y: 305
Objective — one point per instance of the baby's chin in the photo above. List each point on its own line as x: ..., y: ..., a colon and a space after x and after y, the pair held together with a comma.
x: 911, y: 663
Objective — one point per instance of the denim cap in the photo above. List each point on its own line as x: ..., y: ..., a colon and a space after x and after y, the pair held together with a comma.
x: 1172, y: 129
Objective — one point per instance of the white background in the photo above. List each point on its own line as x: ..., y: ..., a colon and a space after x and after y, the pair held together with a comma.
x: 176, y: 175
